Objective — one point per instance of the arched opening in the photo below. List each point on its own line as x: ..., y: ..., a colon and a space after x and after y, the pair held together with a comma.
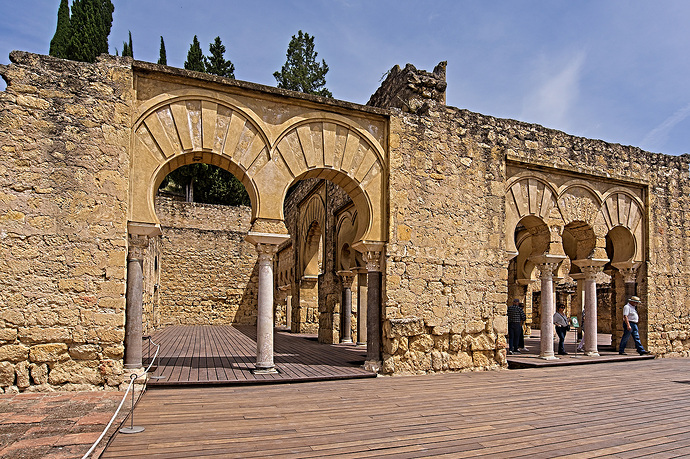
x: 207, y: 271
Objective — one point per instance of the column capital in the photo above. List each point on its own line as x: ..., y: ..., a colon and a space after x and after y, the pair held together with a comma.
x: 590, y: 267
x: 547, y: 264
x: 137, y: 246
x: 347, y: 277
x: 628, y: 269
x: 371, y: 253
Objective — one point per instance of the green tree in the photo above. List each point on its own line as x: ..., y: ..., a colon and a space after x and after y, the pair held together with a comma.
x: 127, y: 49
x: 216, y: 63
x: 90, y: 25
x: 301, y: 71
x: 208, y: 184
x: 162, y: 59
x: 58, y: 45
x: 195, y: 57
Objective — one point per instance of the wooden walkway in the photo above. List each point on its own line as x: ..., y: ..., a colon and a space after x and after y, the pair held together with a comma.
x: 620, y: 410
x: 216, y: 354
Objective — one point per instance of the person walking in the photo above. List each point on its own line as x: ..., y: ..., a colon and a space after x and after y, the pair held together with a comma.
x: 630, y: 319
x: 562, y: 327
x: 515, y: 318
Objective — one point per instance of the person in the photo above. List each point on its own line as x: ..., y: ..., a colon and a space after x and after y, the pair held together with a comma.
x: 515, y: 318
x: 630, y: 319
x: 521, y: 342
x: 581, y: 346
x: 562, y: 327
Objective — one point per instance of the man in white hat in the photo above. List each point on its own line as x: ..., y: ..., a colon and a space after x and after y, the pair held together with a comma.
x: 630, y: 319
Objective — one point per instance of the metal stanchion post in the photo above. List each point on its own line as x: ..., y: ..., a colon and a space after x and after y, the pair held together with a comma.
x: 132, y: 428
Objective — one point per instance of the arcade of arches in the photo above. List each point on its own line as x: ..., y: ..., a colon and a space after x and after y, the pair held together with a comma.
x: 405, y: 225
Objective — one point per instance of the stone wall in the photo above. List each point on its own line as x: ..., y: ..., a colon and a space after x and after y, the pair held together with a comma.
x: 64, y: 135
x: 208, y: 272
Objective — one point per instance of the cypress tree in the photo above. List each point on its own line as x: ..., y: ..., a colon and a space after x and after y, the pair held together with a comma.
x: 90, y: 24
x: 163, y: 59
x: 127, y: 48
x: 58, y: 45
x: 216, y: 63
x: 195, y: 57
x: 301, y: 71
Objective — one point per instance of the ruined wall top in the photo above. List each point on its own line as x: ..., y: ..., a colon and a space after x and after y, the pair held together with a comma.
x: 410, y: 89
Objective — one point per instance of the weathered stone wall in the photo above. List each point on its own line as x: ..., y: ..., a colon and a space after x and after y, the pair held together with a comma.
x: 64, y: 135
x: 208, y: 272
x: 445, y: 272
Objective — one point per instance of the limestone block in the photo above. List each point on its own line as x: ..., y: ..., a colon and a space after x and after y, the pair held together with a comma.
x: 483, y: 342
x: 8, y: 335
x: 84, y: 352
x: 22, y: 370
x: 475, y: 326
x: 53, y: 352
x: 7, y: 374
x: 458, y: 361
x: 483, y: 359
x: 75, y: 373
x: 501, y: 325
x: 110, y: 336
x: 14, y: 352
x: 36, y: 335
x: 441, y: 342
x: 109, y: 320
x: 455, y: 343
x: 39, y: 373
x: 14, y: 316
x: 421, y: 343
x: 390, y: 346
x: 410, y: 326
x: 437, y: 360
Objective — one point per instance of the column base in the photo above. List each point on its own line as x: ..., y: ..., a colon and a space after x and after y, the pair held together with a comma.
x: 265, y: 371
x: 361, y: 344
x: 548, y: 357
x: 373, y: 365
x: 346, y: 341
x: 591, y: 353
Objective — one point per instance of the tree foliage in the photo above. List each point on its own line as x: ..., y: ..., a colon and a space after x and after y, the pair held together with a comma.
x: 216, y: 63
x: 302, y: 72
x: 208, y: 184
x: 127, y: 49
x: 162, y: 59
x: 58, y: 45
x: 90, y: 25
x: 195, y: 57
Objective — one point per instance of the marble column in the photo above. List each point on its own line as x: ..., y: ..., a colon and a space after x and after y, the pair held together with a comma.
x: 138, y: 244
x: 288, y: 312
x: 361, y: 306
x: 266, y: 247
x: 590, y: 268
x: 547, y: 264
x: 346, y: 306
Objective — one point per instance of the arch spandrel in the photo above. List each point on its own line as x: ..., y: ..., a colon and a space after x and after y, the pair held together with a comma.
x: 622, y: 209
x: 528, y: 196
x: 579, y: 203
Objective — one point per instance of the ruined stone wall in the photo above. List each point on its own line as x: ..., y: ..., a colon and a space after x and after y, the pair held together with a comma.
x: 445, y: 271
x: 64, y: 134
x: 208, y: 272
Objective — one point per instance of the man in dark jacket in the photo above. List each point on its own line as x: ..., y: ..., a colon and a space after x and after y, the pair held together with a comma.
x: 515, y: 318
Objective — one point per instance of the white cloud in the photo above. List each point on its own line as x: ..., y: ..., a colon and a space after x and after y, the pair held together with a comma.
x: 556, y: 92
x: 657, y: 137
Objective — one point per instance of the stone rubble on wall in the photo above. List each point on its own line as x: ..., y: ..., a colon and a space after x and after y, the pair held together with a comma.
x: 411, y: 90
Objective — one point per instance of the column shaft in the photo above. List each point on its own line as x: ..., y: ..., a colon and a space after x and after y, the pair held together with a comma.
x: 374, y: 317
x: 591, y: 314
x: 362, y: 308
x: 133, y: 314
x: 548, y: 308
x: 264, y: 319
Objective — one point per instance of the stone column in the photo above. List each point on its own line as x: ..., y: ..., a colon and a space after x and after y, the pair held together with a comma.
x: 361, y: 306
x: 527, y: 289
x: 266, y: 247
x: 288, y: 312
x: 138, y: 243
x: 629, y: 272
x: 547, y: 264
x: 590, y: 268
x: 346, y: 306
x: 135, y: 292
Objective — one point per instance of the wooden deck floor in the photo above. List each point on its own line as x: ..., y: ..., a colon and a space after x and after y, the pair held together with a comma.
x: 216, y: 354
x: 619, y: 410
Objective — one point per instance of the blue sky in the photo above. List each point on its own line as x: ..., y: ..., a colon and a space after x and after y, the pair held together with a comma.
x: 616, y: 70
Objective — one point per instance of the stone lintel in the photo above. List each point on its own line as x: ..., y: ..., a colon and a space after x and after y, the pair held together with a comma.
x: 144, y: 229
x: 547, y: 258
x: 266, y: 238
x: 593, y: 262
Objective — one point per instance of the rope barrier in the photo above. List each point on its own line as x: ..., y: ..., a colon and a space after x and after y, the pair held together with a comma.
x: 133, y: 377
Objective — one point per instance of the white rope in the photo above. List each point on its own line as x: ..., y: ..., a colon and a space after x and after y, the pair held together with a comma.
x: 133, y: 377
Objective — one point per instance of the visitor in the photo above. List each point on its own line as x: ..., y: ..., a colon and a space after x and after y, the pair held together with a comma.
x: 515, y: 318
x: 630, y: 319
x: 562, y: 327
